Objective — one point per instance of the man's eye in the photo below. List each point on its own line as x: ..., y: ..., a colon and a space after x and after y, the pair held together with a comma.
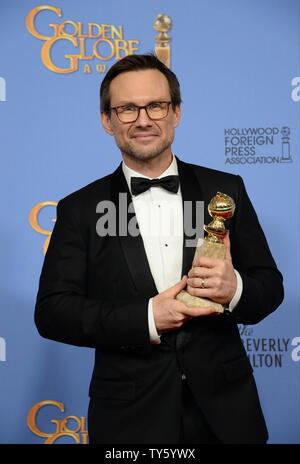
x: 127, y: 109
x: 155, y: 106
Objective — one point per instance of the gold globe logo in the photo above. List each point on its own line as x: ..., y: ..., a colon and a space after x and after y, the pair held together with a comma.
x: 69, y: 426
x: 34, y: 221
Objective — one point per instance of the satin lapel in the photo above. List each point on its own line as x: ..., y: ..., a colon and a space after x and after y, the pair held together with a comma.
x: 132, y: 247
x: 191, y: 192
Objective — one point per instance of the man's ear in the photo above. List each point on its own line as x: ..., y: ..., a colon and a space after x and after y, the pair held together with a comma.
x: 106, y: 123
x: 177, y: 114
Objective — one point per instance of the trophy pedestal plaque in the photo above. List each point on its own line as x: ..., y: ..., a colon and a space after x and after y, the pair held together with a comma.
x: 220, y: 208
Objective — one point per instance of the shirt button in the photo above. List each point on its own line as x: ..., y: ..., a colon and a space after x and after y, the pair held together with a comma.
x: 183, y: 376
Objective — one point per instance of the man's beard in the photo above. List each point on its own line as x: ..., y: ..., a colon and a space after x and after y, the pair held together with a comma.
x: 144, y: 153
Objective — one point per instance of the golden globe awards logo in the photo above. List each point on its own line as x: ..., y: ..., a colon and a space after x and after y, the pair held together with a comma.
x: 73, y: 427
x: 87, y: 42
x: 35, y: 224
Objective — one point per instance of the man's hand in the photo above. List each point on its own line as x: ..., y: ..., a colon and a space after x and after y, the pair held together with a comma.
x: 216, y: 275
x: 170, y: 314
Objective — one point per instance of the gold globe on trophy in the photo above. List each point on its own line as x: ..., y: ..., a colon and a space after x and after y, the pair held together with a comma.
x: 220, y: 208
x: 162, y: 25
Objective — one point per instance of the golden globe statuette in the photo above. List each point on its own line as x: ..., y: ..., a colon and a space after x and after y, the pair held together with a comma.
x: 162, y: 25
x: 220, y: 208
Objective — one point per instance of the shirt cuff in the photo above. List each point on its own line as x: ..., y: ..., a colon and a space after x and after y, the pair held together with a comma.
x: 154, y: 337
x: 238, y: 293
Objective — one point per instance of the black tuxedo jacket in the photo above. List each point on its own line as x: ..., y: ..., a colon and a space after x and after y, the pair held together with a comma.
x: 94, y: 292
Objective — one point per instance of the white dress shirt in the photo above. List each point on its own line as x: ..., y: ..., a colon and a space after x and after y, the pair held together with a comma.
x: 159, y: 215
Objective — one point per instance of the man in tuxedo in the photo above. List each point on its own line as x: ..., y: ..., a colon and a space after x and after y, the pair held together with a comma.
x: 163, y: 373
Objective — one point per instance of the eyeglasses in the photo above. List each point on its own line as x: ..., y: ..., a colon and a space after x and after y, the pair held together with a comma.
x: 130, y: 112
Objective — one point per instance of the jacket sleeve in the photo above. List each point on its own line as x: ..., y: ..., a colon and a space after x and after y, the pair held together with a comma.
x: 63, y: 311
x: 262, y: 281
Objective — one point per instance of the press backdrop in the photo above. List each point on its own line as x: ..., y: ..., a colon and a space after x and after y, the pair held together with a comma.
x: 238, y: 64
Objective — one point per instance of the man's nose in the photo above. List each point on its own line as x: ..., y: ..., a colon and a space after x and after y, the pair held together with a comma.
x: 143, y: 119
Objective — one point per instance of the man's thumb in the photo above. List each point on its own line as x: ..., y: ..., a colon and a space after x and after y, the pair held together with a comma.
x: 173, y: 291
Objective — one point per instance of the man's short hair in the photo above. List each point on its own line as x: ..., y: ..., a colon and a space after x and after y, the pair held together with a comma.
x: 138, y: 63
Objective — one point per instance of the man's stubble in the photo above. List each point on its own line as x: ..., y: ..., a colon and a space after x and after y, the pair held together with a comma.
x: 144, y: 153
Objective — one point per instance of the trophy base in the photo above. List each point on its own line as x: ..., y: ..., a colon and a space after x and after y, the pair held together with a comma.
x: 211, y: 250
x: 196, y: 302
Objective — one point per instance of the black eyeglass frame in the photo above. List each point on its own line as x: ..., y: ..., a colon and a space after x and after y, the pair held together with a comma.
x: 139, y: 108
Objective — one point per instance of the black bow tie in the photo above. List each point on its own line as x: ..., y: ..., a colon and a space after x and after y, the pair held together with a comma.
x: 141, y: 184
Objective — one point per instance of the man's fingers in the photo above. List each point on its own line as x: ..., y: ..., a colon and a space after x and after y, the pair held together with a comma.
x: 226, y: 241
x: 205, y: 261
x: 200, y: 283
x: 200, y: 272
x: 198, y: 311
